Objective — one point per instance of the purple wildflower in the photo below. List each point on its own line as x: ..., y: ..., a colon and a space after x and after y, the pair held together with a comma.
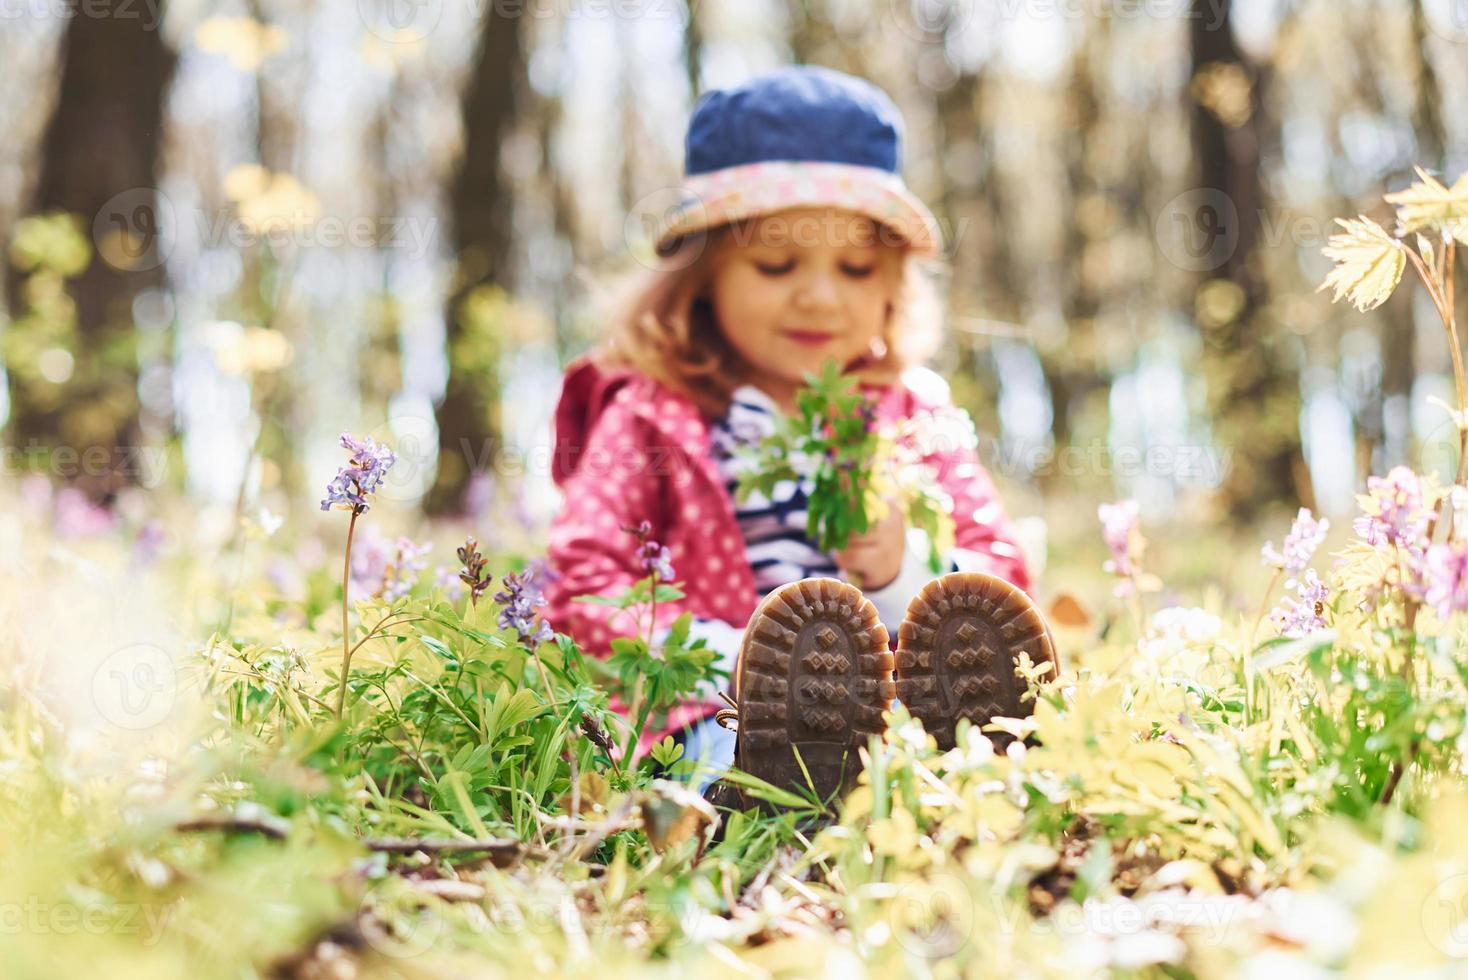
x: 520, y: 598
x: 401, y: 573
x: 542, y: 574
x: 1306, y: 534
x: 1447, y: 578
x: 361, y: 477
x: 447, y: 580
x: 371, y: 555
x: 479, y: 493
x: 1395, y: 514
x: 1305, y: 613
x: 653, y: 558
x: 284, y: 577
x: 473, y: 574
x: 75, y: 516
x: 656, y: 560
x: 148, y: 545
x: 1118, y: 528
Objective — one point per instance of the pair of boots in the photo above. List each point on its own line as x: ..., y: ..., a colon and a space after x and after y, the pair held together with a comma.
x: 816, y: 672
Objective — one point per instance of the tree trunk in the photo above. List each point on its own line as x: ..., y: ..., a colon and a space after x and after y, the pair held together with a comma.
x: 693, y: 39
x: 1253, y: 390
x: 480, y: 215
x: 1072, y: 371
x: 98, y: 157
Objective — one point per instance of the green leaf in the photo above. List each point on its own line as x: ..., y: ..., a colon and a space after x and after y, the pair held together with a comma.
x: 678, y: 632
x: 667, y: 752
x: 438, y: 647
x: 619, y: 602
x: 628, y: 646
x: 768, y: 792
x: 509, y: 711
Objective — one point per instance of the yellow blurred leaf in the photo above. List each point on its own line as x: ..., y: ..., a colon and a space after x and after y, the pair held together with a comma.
x: 672, y: 813
x: 1068, y: 611
x: 1369, y: 263
x: 243, y: 41
x: 896, y: 835
x: 245, y: 181
x: 1429, y: 204
x: 592, y: 792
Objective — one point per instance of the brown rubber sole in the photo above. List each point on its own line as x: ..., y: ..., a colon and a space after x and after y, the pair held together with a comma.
x: 957, y: 648
x: 814, y: 674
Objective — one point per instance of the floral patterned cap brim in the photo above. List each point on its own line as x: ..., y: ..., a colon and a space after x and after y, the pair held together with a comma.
x: 737, y: 193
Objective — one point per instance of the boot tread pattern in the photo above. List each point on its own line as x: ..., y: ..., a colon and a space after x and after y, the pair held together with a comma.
x: 814, y: 671
x: 957, y: 650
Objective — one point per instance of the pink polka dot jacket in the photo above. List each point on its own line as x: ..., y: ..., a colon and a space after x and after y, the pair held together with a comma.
x: 630, y: 450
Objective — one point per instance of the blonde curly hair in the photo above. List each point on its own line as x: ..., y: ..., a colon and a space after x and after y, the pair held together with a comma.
x: 662, y: 325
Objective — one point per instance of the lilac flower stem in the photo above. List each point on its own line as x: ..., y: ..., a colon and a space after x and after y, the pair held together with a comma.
x: 1409, y: 625
x: 1399, y: 768
x: 1264, y: 605
x: 1134, y: 603
x: 341, y: 693
x: 550, y: 692
x: 1445, y: 302
x: 634, y: 707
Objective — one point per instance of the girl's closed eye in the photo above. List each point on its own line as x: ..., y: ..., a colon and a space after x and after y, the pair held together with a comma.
x: 854, y: 271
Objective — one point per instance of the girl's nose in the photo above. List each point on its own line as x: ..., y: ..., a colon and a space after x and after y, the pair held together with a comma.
x: 818, y: 291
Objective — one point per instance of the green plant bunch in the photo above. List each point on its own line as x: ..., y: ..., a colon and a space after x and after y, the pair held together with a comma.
x: 855, y: 466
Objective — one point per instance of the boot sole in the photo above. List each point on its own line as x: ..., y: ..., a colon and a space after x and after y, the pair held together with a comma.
x: 814, y: 674
x: 957, y: 648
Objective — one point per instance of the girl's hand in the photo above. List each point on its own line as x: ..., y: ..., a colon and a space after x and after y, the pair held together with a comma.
x: 872, y: 560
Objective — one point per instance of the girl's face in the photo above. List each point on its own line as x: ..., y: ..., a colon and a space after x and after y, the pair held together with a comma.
x: 800, y: 287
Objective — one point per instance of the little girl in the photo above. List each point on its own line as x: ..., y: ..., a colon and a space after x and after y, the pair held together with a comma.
x: 797, y: 243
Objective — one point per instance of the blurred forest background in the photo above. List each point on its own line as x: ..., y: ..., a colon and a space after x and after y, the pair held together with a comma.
x: 235, y: 230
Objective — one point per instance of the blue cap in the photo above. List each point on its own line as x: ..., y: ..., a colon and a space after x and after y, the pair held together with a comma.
x: 798, y: 113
